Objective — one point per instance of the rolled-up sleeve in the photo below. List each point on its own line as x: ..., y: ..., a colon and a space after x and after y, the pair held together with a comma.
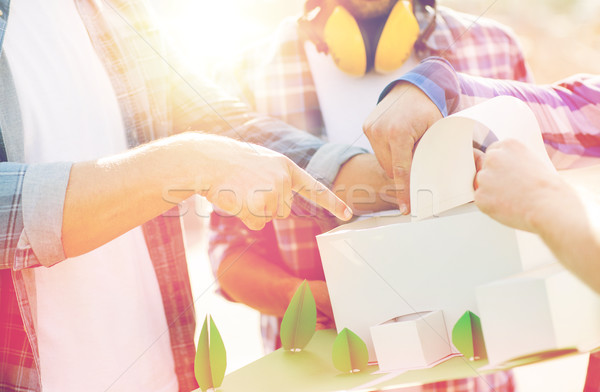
x: 325, y: 164
x: 437, y: 78
x: 44, y: 189
x: 11, y: 209
x: 31, y: 209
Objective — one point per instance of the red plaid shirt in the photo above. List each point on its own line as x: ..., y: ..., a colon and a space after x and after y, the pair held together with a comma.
x: 274, y: 77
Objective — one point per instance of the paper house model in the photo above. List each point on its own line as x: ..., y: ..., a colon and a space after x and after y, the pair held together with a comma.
x: 391, y: 266
x: 537, y: 311
x: 411, y: 341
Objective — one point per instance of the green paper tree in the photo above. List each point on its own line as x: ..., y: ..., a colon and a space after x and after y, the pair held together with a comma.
x: 350, y: 353
x: 467, y: 336
x: 211, y: 358
x: 300, y: 320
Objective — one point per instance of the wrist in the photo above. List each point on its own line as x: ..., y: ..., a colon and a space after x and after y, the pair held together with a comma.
x: 363, y: 185
x: 549, y: 202
x: 436, y: 78
x: 200, y: 157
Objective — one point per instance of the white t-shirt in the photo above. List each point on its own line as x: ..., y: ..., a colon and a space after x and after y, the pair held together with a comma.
x: 346, y: 101
x: 101, y: 323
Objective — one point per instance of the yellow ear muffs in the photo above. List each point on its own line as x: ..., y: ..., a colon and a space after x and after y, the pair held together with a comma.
x: 397, y: 39
x: 345, y: 42
x: 383, y: 44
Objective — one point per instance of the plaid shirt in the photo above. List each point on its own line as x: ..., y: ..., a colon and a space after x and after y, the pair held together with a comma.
x: 156, y: 100
x: 568, y: 111
x: 274, y: 78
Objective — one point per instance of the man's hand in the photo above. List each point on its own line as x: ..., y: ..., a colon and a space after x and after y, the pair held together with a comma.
x: 324, y: 310
x: 257, y: 184
x: 517, y: 189
x: 514, y: 187
x: 364, y: 186
x: 109, y: 196
x: 393, y: 128
x: 321, y: 294
x: 263, y: 284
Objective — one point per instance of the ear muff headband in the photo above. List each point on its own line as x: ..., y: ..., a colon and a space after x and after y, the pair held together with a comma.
x: 397, y: 39
x: 383, y: 45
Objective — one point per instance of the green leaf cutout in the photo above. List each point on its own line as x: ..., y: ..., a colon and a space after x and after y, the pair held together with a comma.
x: 467, y: 336
x: 300, y: 319
x: 211, y: 358
x: 350, y: 353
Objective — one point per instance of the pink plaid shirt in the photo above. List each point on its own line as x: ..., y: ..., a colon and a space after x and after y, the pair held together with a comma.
x: 274, y: 77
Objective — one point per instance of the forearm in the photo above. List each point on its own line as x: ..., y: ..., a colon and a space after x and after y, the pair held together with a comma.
x: 567, y: 111
x: 201, y: 105
x: 110, y: 196
x: 251, y: 279
x: 568, y: 220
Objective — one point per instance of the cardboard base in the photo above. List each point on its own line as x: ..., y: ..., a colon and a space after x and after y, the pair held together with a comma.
x: 312, y: 370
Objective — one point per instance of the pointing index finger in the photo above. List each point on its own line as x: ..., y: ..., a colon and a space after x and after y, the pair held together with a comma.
x: 308, y: 187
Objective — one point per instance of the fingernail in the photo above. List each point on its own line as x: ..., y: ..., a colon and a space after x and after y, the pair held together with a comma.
x: 348, y: 213
x: 403, y: 209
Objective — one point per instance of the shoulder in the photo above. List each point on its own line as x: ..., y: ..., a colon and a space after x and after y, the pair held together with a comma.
x: 459, y: 29
x: 478, y: 46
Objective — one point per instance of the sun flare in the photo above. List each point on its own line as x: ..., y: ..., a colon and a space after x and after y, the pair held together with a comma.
x: 208, y: 32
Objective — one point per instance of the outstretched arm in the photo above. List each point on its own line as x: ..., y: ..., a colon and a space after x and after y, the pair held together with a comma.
x: 567, y: 111
x: 97, y: 201
x: 516, y: 189
x: 248, y: 181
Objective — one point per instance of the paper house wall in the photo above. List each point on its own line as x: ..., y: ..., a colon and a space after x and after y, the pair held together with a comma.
x: 536, y: 311
x: 387, y: 267
x: 411, y: 341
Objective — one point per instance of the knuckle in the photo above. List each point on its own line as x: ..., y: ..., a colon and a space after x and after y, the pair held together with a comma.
x: 252, y: 222
x: 281, y: 160
x: 509, y: 143
x: 481, y: 178
x: 480, y: 200
x: 286, y: 183
x: 285, y: 213
x: 227, y: 201
x: 374, y: 130
x: 367, y: 126
x: 400, y: 171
